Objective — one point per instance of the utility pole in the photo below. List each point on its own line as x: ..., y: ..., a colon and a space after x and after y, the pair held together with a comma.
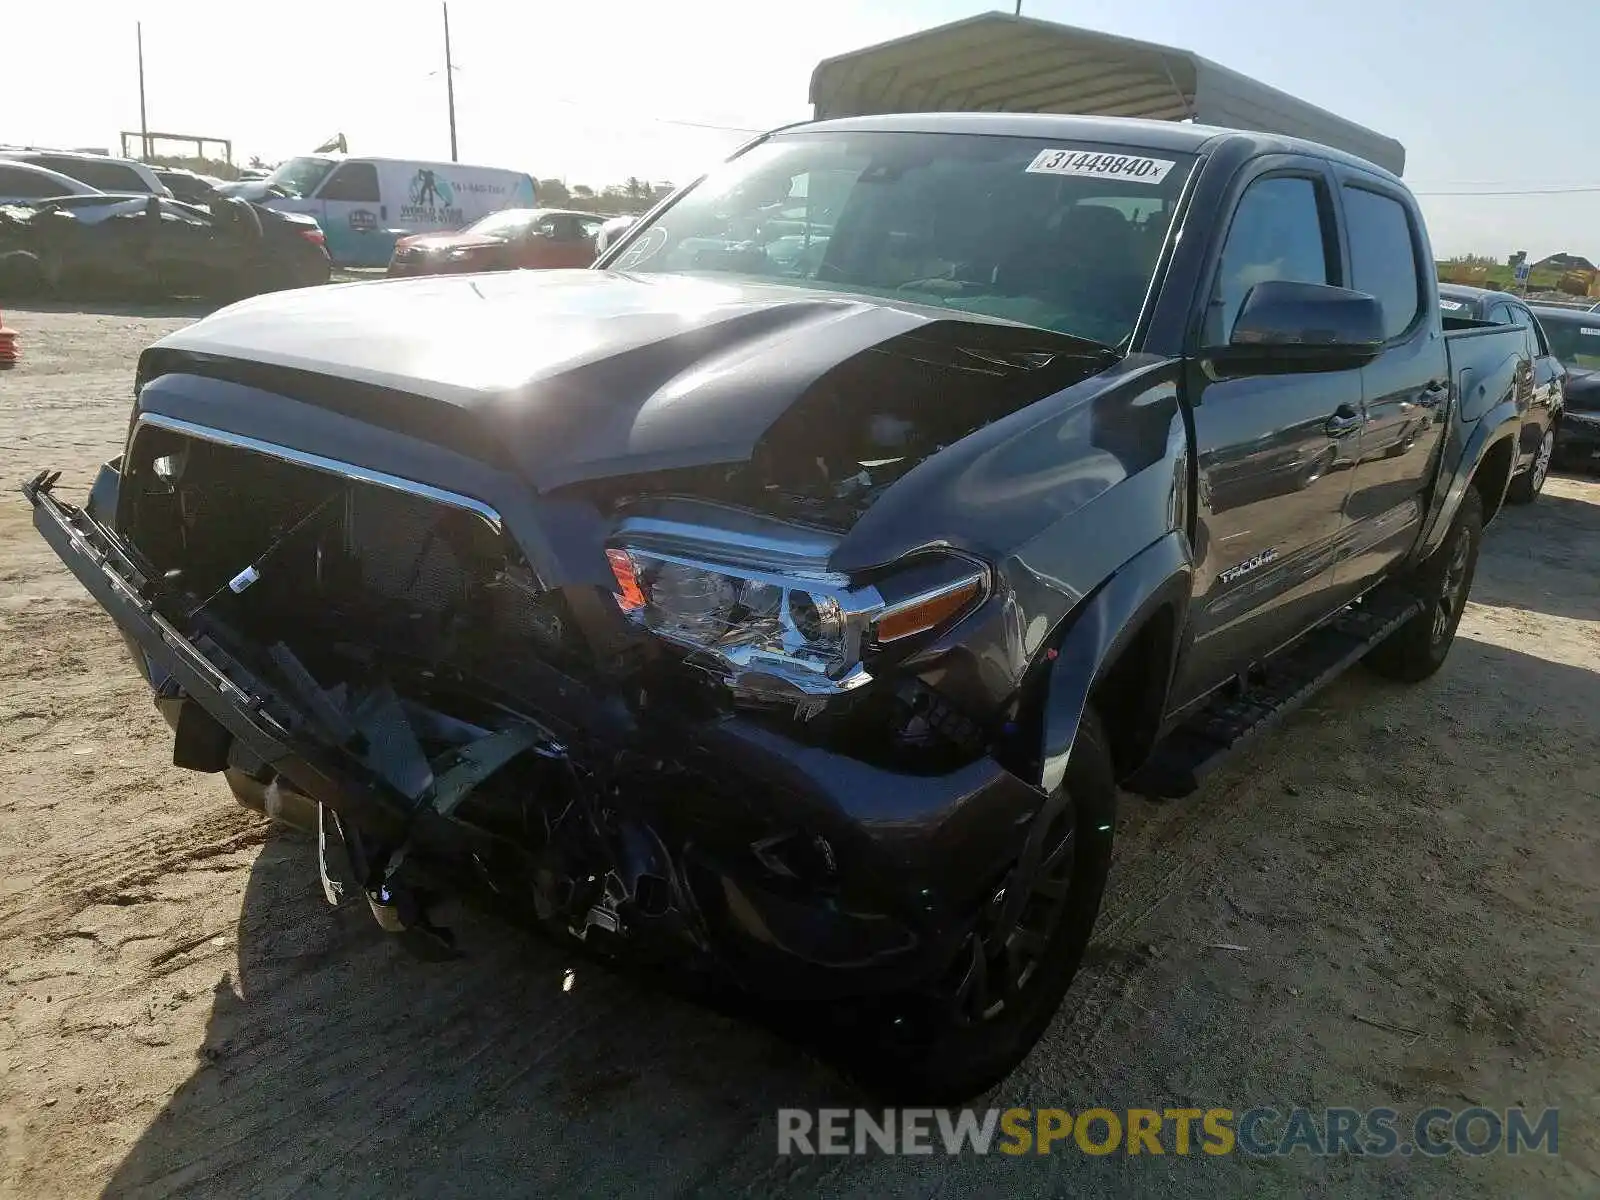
x: 1018, y: 13
x: 144, y: 125
x: 450, y: 84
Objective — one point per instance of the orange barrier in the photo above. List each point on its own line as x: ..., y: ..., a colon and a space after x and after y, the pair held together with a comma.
x: 10, y: 352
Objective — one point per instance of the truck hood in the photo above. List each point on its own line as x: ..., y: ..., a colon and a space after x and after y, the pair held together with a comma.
x: 581, y: 375
x: 254, y: 190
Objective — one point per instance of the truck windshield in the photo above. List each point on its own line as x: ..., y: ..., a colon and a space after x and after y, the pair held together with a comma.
x: 1065, y: 236
x: 299, y: 176
x: 1575, y: 343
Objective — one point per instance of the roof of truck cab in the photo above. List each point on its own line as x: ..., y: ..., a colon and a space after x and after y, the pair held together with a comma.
x: 1179, y: 137
x: 1000, y: 61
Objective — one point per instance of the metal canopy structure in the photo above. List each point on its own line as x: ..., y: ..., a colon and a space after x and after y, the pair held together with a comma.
x: 997, y: 62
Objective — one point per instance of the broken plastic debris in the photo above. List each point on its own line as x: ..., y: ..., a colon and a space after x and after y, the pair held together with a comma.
x: 243, y: 580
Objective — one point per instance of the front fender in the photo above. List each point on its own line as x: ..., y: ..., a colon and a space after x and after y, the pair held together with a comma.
x: 1099, y: 630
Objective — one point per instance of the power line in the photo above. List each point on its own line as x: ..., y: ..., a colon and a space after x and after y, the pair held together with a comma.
x: 618, y: 116
x: 1585, y: 189
x: 704, y: 125
x: 1502, y: 183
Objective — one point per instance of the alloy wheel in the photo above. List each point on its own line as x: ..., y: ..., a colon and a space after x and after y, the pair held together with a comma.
x: 1000, y: 959
x: 1541, y: 460
x: 1453, y: 588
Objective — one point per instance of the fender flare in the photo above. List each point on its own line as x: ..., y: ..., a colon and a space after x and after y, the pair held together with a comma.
x: 1097, y: 632
x: 1496, y: 425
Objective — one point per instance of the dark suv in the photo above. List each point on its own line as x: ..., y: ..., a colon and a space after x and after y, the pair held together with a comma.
x: 1574, y: 337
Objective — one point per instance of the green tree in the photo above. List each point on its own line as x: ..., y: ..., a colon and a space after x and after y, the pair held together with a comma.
x: 554, y: 193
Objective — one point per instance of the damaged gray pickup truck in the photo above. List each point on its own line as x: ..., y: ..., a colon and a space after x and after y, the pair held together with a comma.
x: 785, y: 599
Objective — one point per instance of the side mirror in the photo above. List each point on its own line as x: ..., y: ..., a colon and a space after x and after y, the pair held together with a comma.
x: 1284, y: 326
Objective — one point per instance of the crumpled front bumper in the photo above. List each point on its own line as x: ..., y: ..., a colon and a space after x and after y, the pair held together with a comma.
x: 911, y: 856
x: 174, y: 664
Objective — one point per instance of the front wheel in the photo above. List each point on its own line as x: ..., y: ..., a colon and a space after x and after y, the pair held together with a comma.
x: 1525, y: 488
x: 1025, y: 944
x: 1443, y: 581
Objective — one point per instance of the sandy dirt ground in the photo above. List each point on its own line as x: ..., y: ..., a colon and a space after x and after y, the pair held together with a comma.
x: 181, y: 1014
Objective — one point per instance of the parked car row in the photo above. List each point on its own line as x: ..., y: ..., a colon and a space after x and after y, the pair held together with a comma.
x: 106, y: 243
x: 365, y: 205
x: 75, y: 223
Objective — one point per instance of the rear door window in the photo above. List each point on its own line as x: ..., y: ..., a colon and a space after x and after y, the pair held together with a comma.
x: 1536, y: 342
x: 1383, y: 256
x: 26, y: 184
x: 107, y: 176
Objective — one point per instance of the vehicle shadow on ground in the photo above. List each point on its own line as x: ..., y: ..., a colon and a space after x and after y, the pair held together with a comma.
x: 1537, y: 557
x: 337, y: 1064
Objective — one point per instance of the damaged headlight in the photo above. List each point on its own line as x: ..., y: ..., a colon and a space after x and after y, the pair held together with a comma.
x: 757, y: 602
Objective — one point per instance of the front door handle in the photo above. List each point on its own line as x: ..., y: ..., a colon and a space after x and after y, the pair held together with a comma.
x: 1345, y: 421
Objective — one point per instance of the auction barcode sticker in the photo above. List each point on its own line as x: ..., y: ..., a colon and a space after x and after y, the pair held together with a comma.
x: 1095, y: 165
x: 1451, y: 305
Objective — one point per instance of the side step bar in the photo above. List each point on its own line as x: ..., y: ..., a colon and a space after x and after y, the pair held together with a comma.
x: 1233, y: 717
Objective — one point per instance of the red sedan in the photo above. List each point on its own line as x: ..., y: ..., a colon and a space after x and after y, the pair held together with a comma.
x: 502, y: 241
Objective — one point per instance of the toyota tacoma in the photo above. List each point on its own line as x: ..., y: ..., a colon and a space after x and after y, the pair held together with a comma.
x: 788, y: 596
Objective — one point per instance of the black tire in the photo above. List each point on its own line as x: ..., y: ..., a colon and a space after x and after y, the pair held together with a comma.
x: 21, y: 275
x: 1525, y: 488
x: 1443, y: 581
x: 938, y: 1049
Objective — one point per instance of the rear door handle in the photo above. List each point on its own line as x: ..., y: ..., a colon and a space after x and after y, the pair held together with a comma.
x: 1345, y: 421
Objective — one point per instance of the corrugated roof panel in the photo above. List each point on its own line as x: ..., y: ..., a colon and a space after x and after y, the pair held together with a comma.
x: 998, y: 62
x: 1236, y: 101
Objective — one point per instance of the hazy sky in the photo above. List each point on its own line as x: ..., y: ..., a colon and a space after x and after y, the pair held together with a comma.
x: 596, y: 92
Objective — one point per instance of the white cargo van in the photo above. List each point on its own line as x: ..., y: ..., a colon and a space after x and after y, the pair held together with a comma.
x: 364, y: 204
